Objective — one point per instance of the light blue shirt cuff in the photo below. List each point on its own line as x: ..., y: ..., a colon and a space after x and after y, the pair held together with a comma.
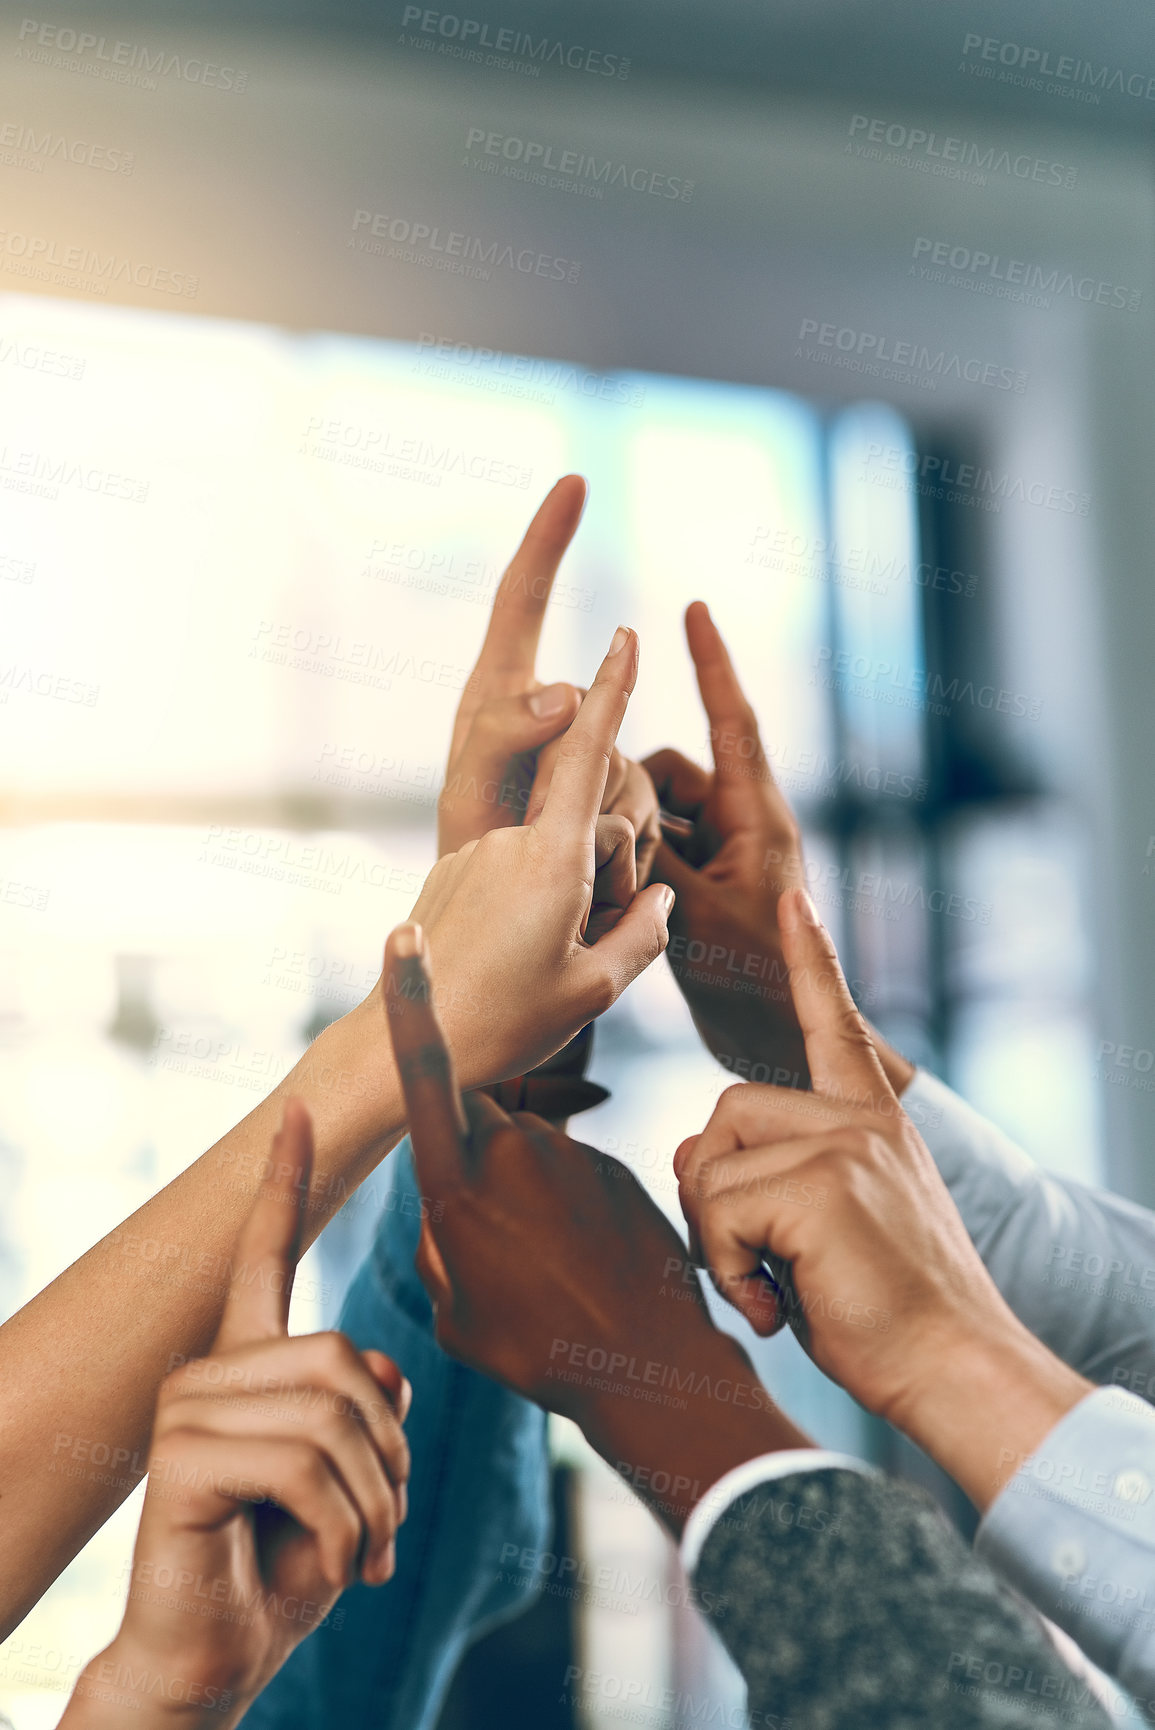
x: 747, y: 1477
x: 1074, y: 1530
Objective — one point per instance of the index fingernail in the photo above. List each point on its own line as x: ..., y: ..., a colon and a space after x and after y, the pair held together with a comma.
x: 621, y: 638
x: 408, y: 940
x: 806, y: 907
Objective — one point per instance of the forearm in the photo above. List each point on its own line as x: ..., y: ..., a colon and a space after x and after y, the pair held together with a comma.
x: 120, y: 1686
x: 985, y: 1404
x: 80, y: 1365
x: 708, y: 1415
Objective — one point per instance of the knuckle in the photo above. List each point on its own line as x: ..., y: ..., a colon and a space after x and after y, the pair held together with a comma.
x: 337, y: 1351
x: 177, y: 1415
x: 173, y: 1387
x: 400, y: 1457
x: 348, y: 1536
x: 603, y: 992
x: 490, y: 718
x: 690, y: 1176
x: 582, y: 751
x: 723, y: 1194
x: 305, y: 1467
x: 179, y: 1438
x: 855, y: 1144
x: 331, y: 1423
x: 721, y: 1176
x: 850, y: 1026
x: 380, y: 1509
x: 823, y: 1169
x: 878, y: 1148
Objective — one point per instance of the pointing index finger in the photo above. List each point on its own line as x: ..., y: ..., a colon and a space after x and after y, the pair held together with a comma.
x: 437, y: 1124
x: 506, y: 662
x: 269, y: 1243
x: 843, y: 1063
x: 727, y: 708
x: 583, y: 759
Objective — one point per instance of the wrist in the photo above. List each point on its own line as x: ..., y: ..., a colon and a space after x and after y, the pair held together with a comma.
x: 671, y: 1430
x: 348, y: 1077
x: 129, y: 1678
x: 984, y: 1403
x: 348, y: 1080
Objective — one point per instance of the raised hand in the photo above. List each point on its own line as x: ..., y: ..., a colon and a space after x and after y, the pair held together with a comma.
x: 728, y: 874
x: 536, y: 929
x: 498, y: 771
x: 276, y: 1478
x: 629, y: 797
x: 552, y: 1271
x: 836, y: 1190
x: 506, y: 714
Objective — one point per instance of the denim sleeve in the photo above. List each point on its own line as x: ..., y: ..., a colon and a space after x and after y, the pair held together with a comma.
x: 478, y: 1496
x: 1077, y: 1265
x: 1074, y: 1529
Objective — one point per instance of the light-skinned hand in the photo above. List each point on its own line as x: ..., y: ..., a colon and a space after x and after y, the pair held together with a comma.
x: 836, y: 1189
x: 508, y: 728
x: 537, y: 929
x: 277, y: 1477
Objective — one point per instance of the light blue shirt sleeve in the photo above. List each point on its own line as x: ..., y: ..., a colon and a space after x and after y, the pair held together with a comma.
x: 1074, y: 1531
x: 1076, y: 1264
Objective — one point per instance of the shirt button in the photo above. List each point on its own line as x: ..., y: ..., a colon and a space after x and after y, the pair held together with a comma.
x: 1132, y: 1486
x: 1068, y: 1559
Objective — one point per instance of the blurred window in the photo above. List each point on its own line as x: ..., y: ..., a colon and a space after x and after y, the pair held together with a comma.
x: 245, y: 574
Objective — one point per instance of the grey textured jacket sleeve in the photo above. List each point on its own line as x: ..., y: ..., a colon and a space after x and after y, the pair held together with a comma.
x: 1076, y: 1264
x: 866, y: 1611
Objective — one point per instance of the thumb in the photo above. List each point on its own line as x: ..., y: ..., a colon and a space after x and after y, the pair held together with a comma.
x: 638, y: 938
x: 269, y: 1243
x: 754, y: 1297
x: 502, y: 728
x: 505, y: 726
x: 694, y: 910
x: 839, y: 1050
x: 684, y: 879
